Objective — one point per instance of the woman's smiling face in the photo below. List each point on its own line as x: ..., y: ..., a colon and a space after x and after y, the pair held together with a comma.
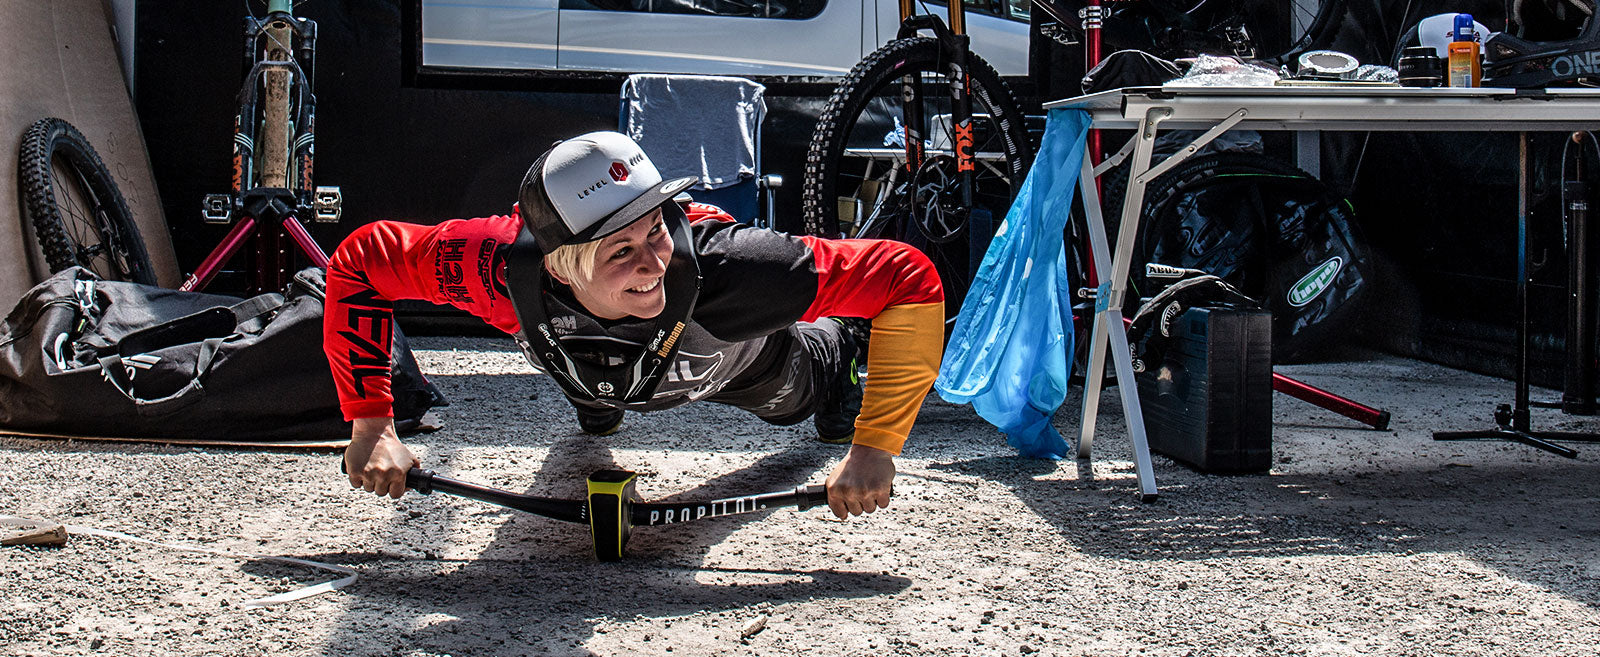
x: 628, y: 268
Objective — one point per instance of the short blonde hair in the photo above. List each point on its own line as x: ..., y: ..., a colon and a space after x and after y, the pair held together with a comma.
x: 573, y: 263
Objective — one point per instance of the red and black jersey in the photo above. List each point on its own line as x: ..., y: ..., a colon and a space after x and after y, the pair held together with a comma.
x: 755, y: 282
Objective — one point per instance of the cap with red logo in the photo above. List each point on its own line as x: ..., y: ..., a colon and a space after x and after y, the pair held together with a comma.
x: 591, y: 186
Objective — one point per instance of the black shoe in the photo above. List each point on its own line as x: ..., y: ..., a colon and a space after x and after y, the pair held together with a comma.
x: 860, y: 328
x: 839, y: 402
x: 598, y: 421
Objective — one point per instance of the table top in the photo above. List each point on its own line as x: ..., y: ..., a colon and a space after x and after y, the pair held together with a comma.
x: 1346, y: 108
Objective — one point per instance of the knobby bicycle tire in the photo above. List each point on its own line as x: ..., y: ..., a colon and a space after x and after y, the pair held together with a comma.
x: 1167, y: 190
x: 1250, y: 254
x: 1162, y: 193
x: 1319, y: 32
x: 77, y: 213
x: 1001, y: 131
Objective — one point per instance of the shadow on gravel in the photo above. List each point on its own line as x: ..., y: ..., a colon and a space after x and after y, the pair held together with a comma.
x: 1532, y: 521
x: 536, y: 589
x: 554, y: 607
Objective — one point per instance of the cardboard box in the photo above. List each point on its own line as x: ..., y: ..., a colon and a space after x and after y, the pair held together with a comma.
x: 61, y: 60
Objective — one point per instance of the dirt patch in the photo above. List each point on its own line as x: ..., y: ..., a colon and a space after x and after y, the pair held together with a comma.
x: 1358, y: 542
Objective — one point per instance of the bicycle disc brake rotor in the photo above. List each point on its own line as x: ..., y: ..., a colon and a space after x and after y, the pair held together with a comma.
x: 936, y: 207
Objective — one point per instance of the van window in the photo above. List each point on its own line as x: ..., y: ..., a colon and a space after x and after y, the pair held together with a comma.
x: 791, y: 9
x: 1017, y: 10
x: 462, y: 39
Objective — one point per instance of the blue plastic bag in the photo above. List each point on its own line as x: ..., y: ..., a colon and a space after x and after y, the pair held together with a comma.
x: 1011, y: 350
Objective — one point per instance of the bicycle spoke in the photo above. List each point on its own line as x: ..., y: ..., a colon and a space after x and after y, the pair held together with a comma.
x: 96, y: 237
x: 74, y: 208
x: 69, y: 193
x: 860, y: 149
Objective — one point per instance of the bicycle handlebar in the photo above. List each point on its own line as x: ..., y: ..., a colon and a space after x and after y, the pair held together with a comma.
x: 610, y: 510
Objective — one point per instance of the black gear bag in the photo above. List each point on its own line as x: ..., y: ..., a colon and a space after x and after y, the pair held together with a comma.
x: 1271, y: 230
x: 81, y: 356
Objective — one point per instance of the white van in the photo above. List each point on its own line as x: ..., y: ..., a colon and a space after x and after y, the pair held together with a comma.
x: 719, y: 37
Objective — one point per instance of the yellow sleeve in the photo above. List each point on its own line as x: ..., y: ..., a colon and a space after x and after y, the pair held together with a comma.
x: 907, y: 343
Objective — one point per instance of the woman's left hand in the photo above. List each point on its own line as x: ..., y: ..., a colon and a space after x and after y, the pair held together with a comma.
x: 861, y: 483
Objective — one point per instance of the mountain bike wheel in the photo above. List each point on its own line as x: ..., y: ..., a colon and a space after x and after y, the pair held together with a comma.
x: 855, y: 186
x: 73, y: 204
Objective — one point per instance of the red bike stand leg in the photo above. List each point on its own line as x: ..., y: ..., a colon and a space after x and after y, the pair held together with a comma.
x: 302, y: 238
x: 272, y: 254
x: 213, y: 263
x: 1318, y: 397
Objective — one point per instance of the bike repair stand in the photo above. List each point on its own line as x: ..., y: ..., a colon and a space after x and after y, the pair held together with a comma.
x: 261, y: 212
x: 1511, y: 421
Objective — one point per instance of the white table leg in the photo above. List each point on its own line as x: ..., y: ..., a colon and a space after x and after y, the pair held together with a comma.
x: 1108, y: 331
x: 1091, y: 386
x: 1129, y: 388
x: 1101, y: 254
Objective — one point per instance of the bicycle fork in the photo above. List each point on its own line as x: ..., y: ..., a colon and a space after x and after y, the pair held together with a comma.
x: 273, y: 152
x: 955, y: 44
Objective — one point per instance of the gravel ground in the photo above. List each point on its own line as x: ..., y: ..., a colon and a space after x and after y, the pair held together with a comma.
x: 1358, y: 542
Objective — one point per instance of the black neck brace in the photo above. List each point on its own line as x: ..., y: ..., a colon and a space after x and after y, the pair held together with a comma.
x: 636, y: 379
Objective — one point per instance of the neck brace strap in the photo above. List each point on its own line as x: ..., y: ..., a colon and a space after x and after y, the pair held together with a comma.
x: 636, y: 379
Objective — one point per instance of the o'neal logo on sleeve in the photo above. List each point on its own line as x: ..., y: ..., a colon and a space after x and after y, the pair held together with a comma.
x: 370, y: 320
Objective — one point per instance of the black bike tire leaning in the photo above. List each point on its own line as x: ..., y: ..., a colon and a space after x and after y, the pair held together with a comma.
x: 45, y: 141
x: 1171, y: 187
x: 1253, y: 277
x: 849, y: 100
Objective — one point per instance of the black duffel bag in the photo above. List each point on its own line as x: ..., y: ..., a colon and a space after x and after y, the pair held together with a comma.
x: 87, y: 357
x: 1271, y: 230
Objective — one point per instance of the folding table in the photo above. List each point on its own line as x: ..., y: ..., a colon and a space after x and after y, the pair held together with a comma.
x: 1219, y: 109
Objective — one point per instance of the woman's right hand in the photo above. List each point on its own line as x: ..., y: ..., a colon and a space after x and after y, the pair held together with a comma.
x: 376, y: 461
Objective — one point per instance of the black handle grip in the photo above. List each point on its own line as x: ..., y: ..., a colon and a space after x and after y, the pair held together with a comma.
x: 807, y: 497
x: 417, y: 479
x: 420, y: 480
x: 427, y: 482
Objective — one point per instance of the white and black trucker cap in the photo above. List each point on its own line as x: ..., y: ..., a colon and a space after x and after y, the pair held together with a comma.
x: 591, y: 186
